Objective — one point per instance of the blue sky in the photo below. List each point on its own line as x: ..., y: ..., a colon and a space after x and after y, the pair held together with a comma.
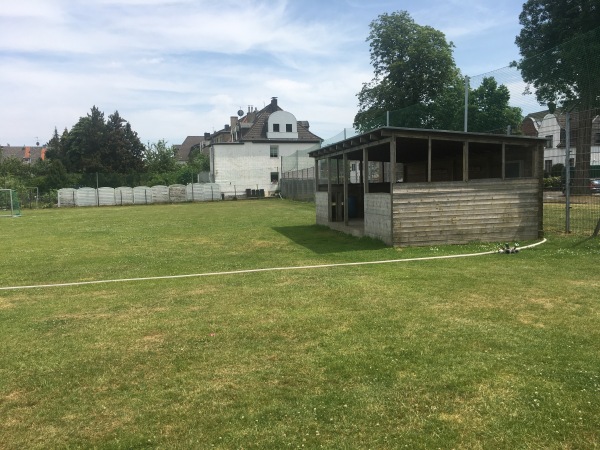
x: 174, y: 68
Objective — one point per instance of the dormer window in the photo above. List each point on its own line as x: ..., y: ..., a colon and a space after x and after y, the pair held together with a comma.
x: 282, y: 125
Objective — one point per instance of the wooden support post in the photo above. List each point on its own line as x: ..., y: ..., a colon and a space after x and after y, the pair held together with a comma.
x: 466, y: 161
x: 345, y: 201
x: 503, y: 160
x: 429, y: 159
x: 366, y: 170
x: 392, y: 174
x: 329, y: 202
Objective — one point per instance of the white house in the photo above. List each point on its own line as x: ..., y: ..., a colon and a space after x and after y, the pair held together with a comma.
x: 245, y: 157
x: 552, y: 127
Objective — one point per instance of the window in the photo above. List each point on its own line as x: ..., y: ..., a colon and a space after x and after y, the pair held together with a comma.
x: 288, y: 127
x: 275, y: 128
x: 274, y: 151
x: 597, y: 139
x: 563, y: 137
x: 274, y: 177
x: 548, y: 166
x: 549, y: 141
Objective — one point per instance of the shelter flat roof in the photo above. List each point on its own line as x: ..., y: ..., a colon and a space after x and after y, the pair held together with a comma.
x: 381, y: 134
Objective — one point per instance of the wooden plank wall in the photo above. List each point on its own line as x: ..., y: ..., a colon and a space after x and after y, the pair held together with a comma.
x: 462, y: 212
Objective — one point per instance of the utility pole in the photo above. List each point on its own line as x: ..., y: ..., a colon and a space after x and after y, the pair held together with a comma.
x: 466, y: 103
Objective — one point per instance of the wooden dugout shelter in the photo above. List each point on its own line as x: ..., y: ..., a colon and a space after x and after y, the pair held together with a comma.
x: 415, y: 187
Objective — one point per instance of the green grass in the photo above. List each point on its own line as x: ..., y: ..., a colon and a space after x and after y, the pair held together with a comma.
x: 584, y: 215
x: 499, y: 351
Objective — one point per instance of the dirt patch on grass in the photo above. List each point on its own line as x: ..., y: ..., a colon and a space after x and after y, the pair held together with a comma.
x: 530, y: 319
x: 6, y: 304
x: 150, y: 341
x: 544, y: 302
x: 17, y: 396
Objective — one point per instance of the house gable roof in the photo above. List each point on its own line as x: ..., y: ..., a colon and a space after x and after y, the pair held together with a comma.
x: 183, y: 150
x: 25, y: 152
x: 258, y: 128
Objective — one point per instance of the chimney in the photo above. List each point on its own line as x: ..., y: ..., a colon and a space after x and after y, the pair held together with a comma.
x: 233, y: 121
x: 273, y: 103
x: 206, y: 136
x: 226, y: 127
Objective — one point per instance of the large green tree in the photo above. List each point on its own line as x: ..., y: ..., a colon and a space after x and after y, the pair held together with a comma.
x: 418, y: 83
x: 97, y: 145
x: 560, y: 45
x: 413, y: 65
x: 489, y: 109
x: 124, y: 151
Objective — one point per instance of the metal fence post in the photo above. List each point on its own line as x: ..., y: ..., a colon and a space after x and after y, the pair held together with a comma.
x: 568, y: 173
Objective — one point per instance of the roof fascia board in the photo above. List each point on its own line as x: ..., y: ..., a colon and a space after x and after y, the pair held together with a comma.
x: 349, y: 149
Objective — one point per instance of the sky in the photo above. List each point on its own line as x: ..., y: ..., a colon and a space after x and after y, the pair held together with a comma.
x: 176, y: 68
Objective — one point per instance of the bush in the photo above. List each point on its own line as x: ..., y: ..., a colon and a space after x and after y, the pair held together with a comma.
x: 552, y: 183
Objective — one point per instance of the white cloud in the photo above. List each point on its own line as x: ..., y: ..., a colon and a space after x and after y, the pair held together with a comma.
x: 181, y: 67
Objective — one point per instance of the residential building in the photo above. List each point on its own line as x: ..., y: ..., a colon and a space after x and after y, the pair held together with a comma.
x: 245, y: 156
x: 184, y: 149
x: 26, y: 154
x: 553, y: 128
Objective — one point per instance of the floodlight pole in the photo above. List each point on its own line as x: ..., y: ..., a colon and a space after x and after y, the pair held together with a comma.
x: 466, y: 103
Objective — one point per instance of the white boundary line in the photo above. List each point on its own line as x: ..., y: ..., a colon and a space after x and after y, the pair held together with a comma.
x: 268, y: 269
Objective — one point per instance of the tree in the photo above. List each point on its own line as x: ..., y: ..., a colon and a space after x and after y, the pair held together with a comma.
x: 489, y: 109
x: 124, y: 151
x: 56, y: 177
x: 96, y: 145
x: 413, y: 65
x: 160, y: 160
x: 85, y: 143
x: 198, y: 160
x: 418, y: 83
x: 13, y: 173
x: 559, y: 43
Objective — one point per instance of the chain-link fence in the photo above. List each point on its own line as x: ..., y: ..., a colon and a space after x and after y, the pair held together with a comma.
x: 571, y: 170
x: 298, y: 184
x: 297, y: 180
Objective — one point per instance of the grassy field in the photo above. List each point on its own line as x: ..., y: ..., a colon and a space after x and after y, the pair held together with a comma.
x: 584, y: 215
x: 497, y: 351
